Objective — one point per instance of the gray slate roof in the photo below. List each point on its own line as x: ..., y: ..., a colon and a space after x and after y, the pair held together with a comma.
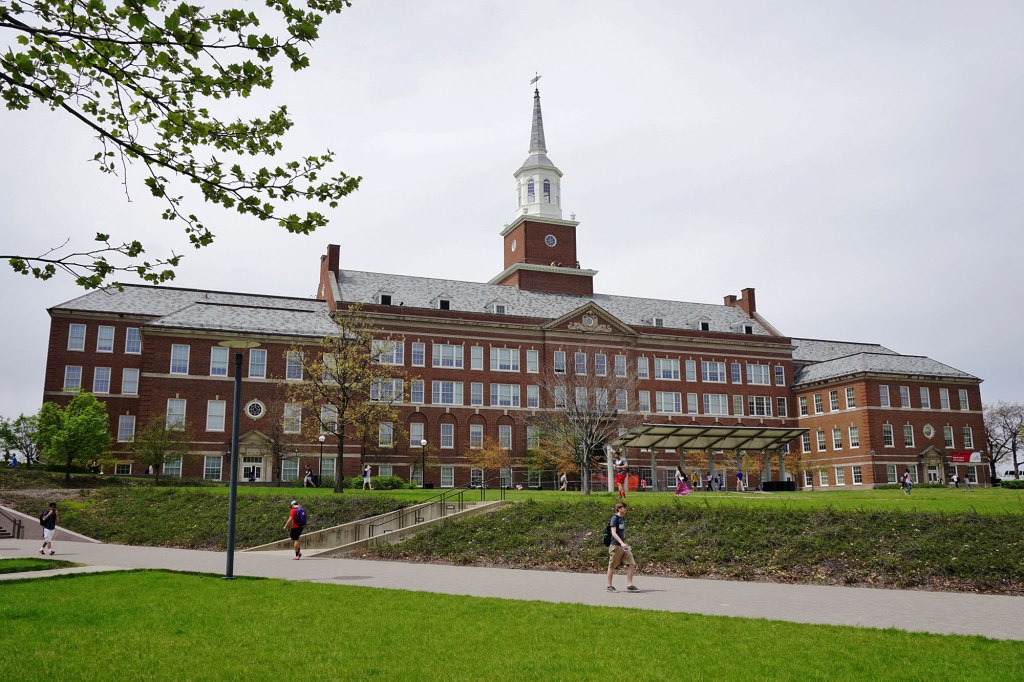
x: 250, y: 319
x: 210, y: 310
x: 420, y: 292
x: 816, y: 350
x: 881, y: 363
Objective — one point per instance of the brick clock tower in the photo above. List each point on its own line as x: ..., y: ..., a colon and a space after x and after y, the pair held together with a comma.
x: 540, y: 247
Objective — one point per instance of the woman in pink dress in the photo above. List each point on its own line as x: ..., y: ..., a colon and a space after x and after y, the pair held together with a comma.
x: 681, y: 487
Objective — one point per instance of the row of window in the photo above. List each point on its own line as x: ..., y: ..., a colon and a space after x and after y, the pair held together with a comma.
x: 839, y: 475
x: 101, y: 379
x: 105, y: 339
x: 888, y: 438
x: 925, y: 397
x: 181, y: 352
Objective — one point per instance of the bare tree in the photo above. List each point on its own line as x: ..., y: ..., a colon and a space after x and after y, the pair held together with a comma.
x: 353, y: 384
x: 1004, y: 434
x: 580, y: 414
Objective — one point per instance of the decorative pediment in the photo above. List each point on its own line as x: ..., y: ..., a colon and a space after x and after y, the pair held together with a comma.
x: 591, y: 319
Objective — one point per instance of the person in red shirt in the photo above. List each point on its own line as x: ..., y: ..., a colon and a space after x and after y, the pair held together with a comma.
x: 295, y: 525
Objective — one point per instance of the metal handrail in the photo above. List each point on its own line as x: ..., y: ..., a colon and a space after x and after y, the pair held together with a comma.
x: 439, y: 499
x: 17, y: 528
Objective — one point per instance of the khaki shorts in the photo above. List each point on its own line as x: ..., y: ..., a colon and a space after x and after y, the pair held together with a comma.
x: 618, y: 555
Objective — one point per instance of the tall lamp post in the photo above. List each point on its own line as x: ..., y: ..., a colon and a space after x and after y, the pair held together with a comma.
x: 320, y: 469
x: 236, y: 411
x: 423, y: 462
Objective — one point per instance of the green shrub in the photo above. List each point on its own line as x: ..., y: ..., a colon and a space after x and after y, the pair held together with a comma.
x: 1012, y: 484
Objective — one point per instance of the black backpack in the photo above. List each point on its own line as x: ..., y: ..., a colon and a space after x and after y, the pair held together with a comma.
x: 606, y: 537
x: 42, y: 516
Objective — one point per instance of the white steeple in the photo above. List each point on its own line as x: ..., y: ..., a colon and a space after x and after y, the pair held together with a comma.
x: 538, y: 180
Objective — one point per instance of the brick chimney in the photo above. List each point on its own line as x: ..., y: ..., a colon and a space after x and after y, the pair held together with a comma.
x: 746, y: 302
x: 329, y: 263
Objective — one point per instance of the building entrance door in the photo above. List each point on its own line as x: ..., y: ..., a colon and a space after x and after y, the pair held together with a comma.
x: 252, y: 468
x: 933, y: 473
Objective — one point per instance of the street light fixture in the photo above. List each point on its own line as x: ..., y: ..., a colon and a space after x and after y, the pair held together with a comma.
x: 320, y: 469
x: 423, y: 462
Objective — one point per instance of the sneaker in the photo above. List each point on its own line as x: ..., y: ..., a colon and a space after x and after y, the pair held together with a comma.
x: 632, y: 588
x: 296, y: 557
x: 42, y: 551
x: 52, y: 552
x: 611, y: 588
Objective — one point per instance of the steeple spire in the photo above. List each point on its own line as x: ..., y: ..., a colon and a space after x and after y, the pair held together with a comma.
x: 538, y: 180
x: 537, y: 133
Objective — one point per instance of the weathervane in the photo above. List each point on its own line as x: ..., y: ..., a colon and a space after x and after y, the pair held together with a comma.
x: 536, y: 77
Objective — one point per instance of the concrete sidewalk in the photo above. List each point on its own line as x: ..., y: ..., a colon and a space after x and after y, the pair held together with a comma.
x: 915, y: 611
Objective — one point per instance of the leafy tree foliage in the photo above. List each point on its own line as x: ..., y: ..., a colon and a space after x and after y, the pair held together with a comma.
x: 73, y: 435
x: 492, y: 456
x: 19, y: 435
x: 157, y: 444
x: 347, y: 387
x: 1004, y: 435
x: 144, y: 77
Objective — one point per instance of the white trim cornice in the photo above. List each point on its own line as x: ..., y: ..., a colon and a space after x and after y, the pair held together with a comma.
x: 561, y: 270
x: 536, y: 218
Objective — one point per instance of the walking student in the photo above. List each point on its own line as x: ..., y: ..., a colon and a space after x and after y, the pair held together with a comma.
x: 907, y: 486
x: 618, y: 551
x: 49, y: 522
x: 295, y: 524
x: 367, y: 472
x: 621, y: 468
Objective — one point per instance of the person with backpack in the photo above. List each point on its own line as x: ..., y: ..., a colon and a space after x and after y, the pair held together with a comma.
x: 295, y: 524
x: 618, y: 551
x: 48, y: 520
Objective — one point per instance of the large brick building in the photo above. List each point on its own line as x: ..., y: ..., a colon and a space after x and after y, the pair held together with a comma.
x: 478, y: 350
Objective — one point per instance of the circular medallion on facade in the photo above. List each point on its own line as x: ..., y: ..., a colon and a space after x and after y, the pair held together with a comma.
x: 513, y: 245
x: 589, y: 320
x: 550, y: 240
x: 254, y: 409
x: 928, y: 431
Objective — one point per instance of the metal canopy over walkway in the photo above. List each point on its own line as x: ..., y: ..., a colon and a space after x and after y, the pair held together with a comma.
x: 698, y: 437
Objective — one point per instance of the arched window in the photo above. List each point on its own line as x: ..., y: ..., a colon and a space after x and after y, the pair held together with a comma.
x: 531, y: 192
x: 547, y: 191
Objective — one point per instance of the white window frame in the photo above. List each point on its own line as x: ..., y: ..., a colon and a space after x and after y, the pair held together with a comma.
x: 476, y: 393
x: 125, y: 428
x: 76, y: 342
x: 257, y: 361
x: 558, y: 362
x: 175, y: 419
x: 600, y: 364
x: 759, y: 406
x: 72, y: 378
x: 533, y: 396
x: 908, y: 435
x: 122, y: 468
x: 447, y: 476
x: 416, y: 392
x: 803, y: 406
x: 132, y: 341
x: 884, y: 399
x: 947, y: 436
x: 858, y: 476
x: 736, y: 373
x: 447, y: 436
x: 505, y: 395
x: 419, y: 354
x: 385, y: 434
x: 180, y: 353
x: 105, y: 336
x: 218, y: 365
x: 837, y: 438
x: 213, y: 467
x: 643, y: 370
x: 643, y: 399
x: 579, y: 363
x: 439, y: 390
x: 505, y: 436
x: 172, y: 468
x: 904, y: 397
x: 476, y: 436
x: 964, y: 401
x: 820, y: 440
x: 888, y: 436
x: 759, y: 375
x: 783, y: 406
x: 823, y: 478
x: 926, y: 398
x: 851, y: 398
x: 713, y: 372
x: 388, y: 352
x: 620, y: 365
x: 289, y: 469
x: 504, y: 359
x: 447, y: 355
x: 668, y: 402
x: 214, y: 420
x: 532, y: 361
x: 690, y: 368
x: 716, y: 404
x: 840, y: 473
x: 805, y: 441
x: 666, y: 369
x: 292, y: 420
x: 819, y: 406
x: 968, y: 436
x: 101, y: 380
x: 780, y: 375
x: 833, y: 401
x: 943, y: 398
x: 854, y: 435
x: 416, y: 431
x: 476, y: 358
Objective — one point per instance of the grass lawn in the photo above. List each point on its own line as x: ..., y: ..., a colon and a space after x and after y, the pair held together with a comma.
x: 23, y: 565
x: 997, y: 501
x: 267, y: 629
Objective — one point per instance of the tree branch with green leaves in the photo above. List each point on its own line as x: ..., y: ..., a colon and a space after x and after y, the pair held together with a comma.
x: 144, y: 77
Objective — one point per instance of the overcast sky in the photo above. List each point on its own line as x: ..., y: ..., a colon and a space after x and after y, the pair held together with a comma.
x: 860, y: 164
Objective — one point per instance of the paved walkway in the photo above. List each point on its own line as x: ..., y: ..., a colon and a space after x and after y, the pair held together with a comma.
x: 916, y: 611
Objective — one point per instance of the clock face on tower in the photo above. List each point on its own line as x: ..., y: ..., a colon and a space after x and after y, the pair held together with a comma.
x: 550, y: 240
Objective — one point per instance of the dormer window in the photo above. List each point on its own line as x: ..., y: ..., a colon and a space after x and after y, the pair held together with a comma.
x: 705, y: 326
x: 748, y: 329
x: 383, y: 298
x: 547, y: 191
x: 658, y: 321
x: 499, y: 309
x: 444, y: 304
